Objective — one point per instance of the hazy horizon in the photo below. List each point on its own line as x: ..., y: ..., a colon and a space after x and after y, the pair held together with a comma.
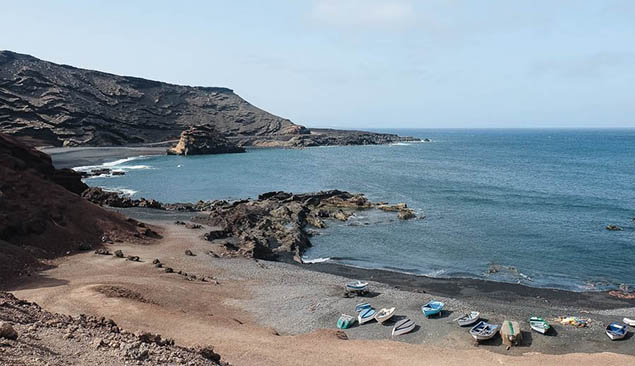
x: 372, y: 64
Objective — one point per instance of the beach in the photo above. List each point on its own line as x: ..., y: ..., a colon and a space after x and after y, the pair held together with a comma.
x: 261, y: 313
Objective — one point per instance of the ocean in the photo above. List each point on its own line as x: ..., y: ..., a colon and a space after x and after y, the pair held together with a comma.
x: 522, y: 206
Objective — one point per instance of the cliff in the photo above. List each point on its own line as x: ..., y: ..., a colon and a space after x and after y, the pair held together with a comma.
x: 61, y: 105
x: 42, y: 214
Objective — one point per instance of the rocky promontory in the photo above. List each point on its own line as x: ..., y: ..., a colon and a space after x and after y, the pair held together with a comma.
x: 203, y: 139
x: 60, y: 105
x: 274, y: 226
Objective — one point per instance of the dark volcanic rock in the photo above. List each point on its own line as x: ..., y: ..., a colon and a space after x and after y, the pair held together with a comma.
x: 274, y: 225
x: 203, y: 139
x: 41, y: 216
x: 63, y: 105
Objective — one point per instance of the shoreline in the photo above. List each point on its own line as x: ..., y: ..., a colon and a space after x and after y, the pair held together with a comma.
x: 71, y: 157
x: 455, y: 287
x: 261, y: 312
x: 450, y: 286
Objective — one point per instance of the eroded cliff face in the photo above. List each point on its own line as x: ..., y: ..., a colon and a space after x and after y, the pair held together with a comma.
x: 203, y: 139
x: 63, y: 105
x: 41, y: 213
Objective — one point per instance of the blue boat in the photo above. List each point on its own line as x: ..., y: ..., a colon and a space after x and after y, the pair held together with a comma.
x: 345, y: 321
x: 616, y: 331
x: 362, y: 306
x: 432, y: 308
x: 366, y: 315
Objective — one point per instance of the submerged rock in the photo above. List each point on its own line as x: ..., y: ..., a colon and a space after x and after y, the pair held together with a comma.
x: 203, y: 139
x: 406, y: 214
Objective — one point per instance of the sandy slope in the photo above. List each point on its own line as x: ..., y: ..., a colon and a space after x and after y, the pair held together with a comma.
x: 194, y: 312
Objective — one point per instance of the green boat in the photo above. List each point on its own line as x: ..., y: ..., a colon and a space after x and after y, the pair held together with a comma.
x: 539, y: 324
x: 345, y: 321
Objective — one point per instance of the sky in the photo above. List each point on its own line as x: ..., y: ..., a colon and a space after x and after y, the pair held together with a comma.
x: 361, y: 63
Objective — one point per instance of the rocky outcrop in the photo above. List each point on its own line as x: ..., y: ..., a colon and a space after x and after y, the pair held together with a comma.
x: 61, y: 105
x: 57, y: 339
x: 326, y: 137
x: 41, y: 214
x: 275, y: 225
x: 203, y: 139
x: 114, y: 199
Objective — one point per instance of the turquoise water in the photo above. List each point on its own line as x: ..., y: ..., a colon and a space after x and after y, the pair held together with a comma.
x: 534, y: 200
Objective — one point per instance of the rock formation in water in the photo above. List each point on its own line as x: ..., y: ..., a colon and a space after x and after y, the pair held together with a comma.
x: 273, y: 226
x: 41, y: 213
x: 203, y: 139
x: 62, y: 105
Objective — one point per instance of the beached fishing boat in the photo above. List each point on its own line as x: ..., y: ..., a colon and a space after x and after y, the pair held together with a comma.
x: 510, y: 332
x: 357, y: 286
x: 484, y: 331
x: 362, y: 306
x: 628, y: 321
x: 384, y: 314
x: 366, y: 315
x: 539, y: 324
x: 345, y: 321
x: 432, y: 308
x: 468, y: 319
x: 402, y: 327
x: 616, y: 330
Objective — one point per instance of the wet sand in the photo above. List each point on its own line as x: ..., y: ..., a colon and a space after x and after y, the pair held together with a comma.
x: 270, y: 313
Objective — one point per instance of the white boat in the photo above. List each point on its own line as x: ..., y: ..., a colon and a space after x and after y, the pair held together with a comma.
x: 468, y: 319
x: 616, y: 330
x: 484, y: 331
x: 628, y: 321
x: 357, y: 286
x: 539, y: 324
x: 402, y: 327
x: 366, y: 315
x: 384, y: 314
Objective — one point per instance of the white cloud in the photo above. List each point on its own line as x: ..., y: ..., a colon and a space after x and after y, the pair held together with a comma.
x: 364, y: 13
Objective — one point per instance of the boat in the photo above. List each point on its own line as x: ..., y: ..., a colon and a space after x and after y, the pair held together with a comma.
x: 539, y: 324
x: 628, y: 321
x: 366, y: 315
x: 468, y: 319
x: 432, y: 308
x: 345, y: 321
x: 362, y: 306
x: 616, y: 330
x: 384, y: 314
x: 357, y: 286
x: 484, y: 331
x: 402, y: 327
x: 510, y: 332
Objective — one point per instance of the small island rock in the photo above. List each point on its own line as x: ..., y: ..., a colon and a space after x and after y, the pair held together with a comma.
x: 203, y: 139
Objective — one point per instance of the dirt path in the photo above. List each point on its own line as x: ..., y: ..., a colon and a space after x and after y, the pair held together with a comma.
x: 201, y: 313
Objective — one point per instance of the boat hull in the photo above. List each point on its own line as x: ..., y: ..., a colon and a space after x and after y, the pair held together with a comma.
x: 402, y: 327
x: 384, y: 315
x: 468, y: 319
x: 432, y: 308
x: 366, y: 315
x: 616, y: 331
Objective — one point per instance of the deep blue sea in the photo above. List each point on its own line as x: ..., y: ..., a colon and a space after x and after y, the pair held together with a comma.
x: 533, y: 203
